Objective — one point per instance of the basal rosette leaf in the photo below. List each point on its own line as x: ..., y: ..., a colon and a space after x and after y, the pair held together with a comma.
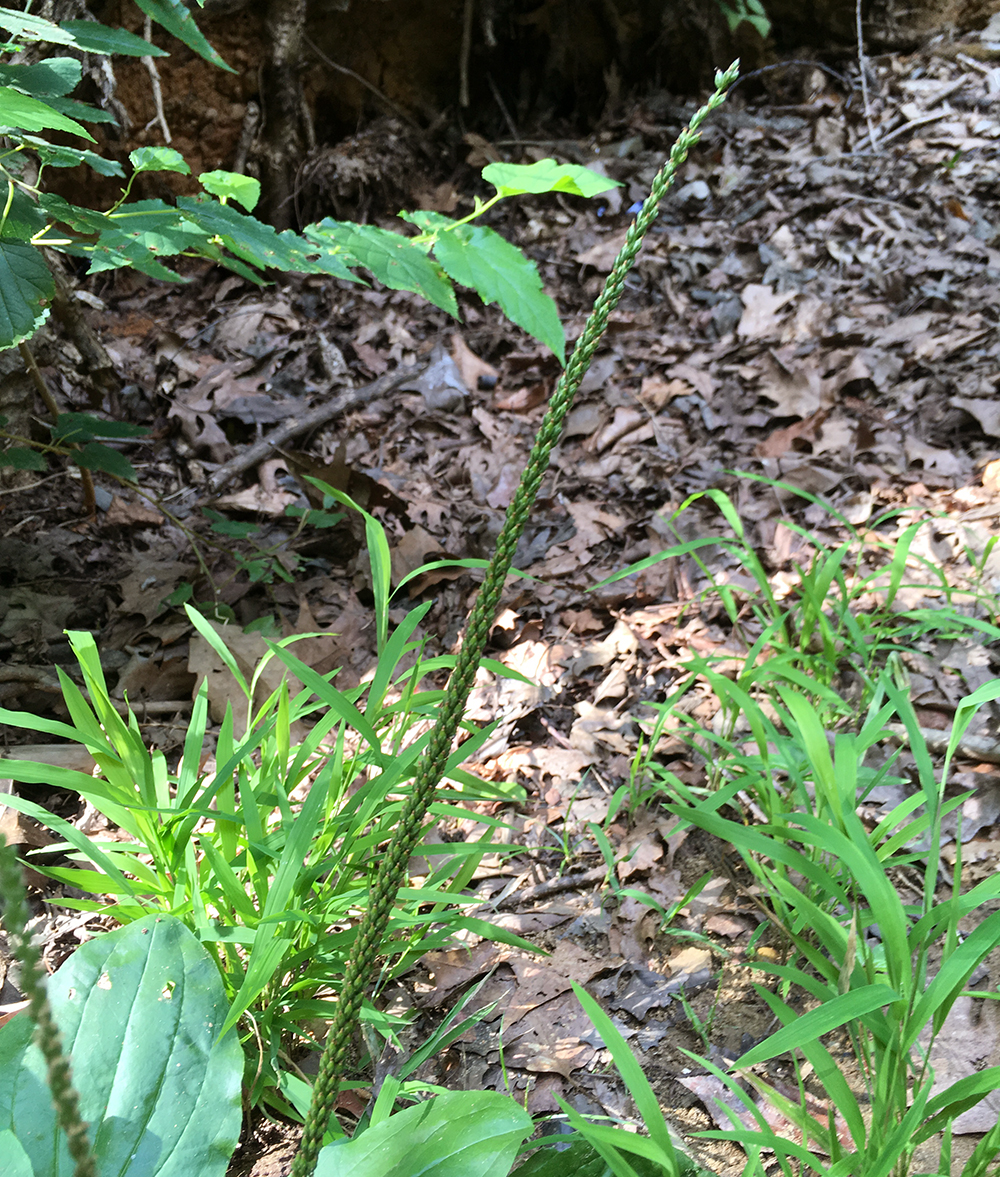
x: 394, y: 259
x: 139, y: 1009
x: 457, y: 1134
x: 476, y: 256
x: 26, y: 289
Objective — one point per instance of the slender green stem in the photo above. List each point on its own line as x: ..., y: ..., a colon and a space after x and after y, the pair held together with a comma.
x: 392, y: 869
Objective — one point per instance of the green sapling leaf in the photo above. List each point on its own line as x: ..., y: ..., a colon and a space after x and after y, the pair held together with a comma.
x: 33, y: 28
x: 95, y: 456
x: 22, y: 112
x: 475, y: 256
x: 97, y: 38
x: 394, y: 259
x: 158, y: 159
x: 512, y: 179
x: 80, y: 427
x: 54, y: 75
x: 56, y: 155
x: 23, y: 220
x: 176, y: 19
x: 81, y: 110
x: 26, y: 289
x: 21, y: 458
x: 245, y: 190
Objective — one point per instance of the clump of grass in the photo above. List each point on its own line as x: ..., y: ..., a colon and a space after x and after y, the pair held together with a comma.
x: 786, y: 770
x: 268, y: 853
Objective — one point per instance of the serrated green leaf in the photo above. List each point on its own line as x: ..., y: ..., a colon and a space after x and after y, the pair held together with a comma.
x: 456, y: 1134
x: 26, y: 287
x: 395, y: 260
x: 245, y: 190
x: 176, y: 19
x: 29, y: 114
x: 97, y: 38
x: 81, y: 110
x: 153, y: 226
x: 95, y: 456
x: 33, y: 28
x: 158, y: 159
x: 55, y: 155
x: 54, y: 75
x: 512, y: 179
x: 140, y: 1010
x: 476, y: 256
x: 79, y: 427
x: 103, y: 257
x: 24, y: 218
x: 259, y: 244
x: 84, y: 220
x: 20, y: 458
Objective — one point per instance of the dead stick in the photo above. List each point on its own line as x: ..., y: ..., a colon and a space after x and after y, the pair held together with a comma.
x: 983, y: 748
x: 553, y: 887
x: 352, y: 399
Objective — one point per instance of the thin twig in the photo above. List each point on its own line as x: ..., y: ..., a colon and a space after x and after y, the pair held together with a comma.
x: 46, y: 397
x: 553, y: 887
x: 86, y: 478
x: 466, y: 50
x: 863, y: 65
x: 352, y: 399
x: 154, y: 81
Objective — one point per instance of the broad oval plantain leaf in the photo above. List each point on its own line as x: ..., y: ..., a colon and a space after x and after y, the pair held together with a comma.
x: 14, y: 1161
x: 459, y: 1134
x: 139, y: 1009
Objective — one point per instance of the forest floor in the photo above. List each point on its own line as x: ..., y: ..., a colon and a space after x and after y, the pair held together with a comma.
x: 812, y: 307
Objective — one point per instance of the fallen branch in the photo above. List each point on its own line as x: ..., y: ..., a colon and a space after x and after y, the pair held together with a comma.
x: 981, y: 748
x: 354, y: 398
x: 553, y: 887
